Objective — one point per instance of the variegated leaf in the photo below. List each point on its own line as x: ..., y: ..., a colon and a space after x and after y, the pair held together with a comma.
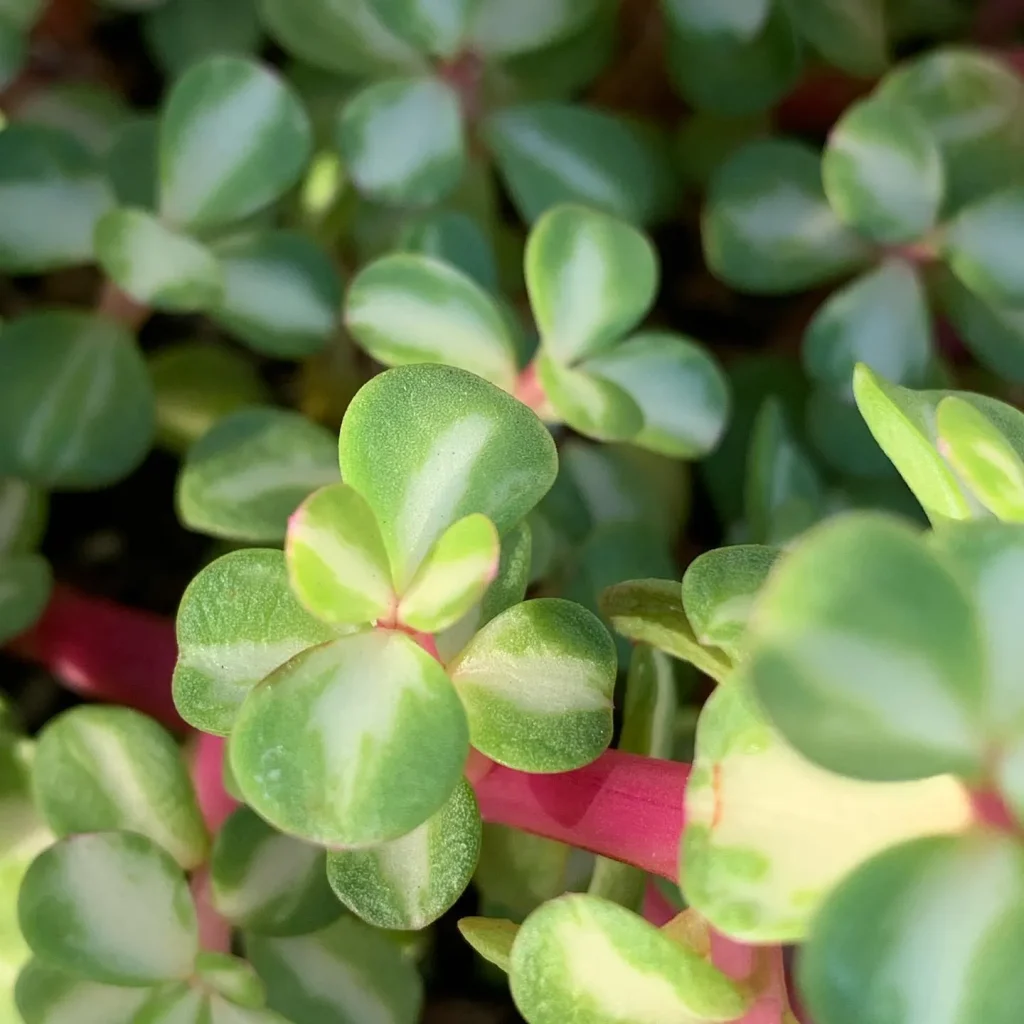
x: 233, y: 138
x: 237, y: 622
x: 408, y: 308
x: 111, y: 907
x: 491, y: 937
x: 181, y: 32
x: 454, y: 575
x: 411, y: 881
x: 337, y: 564
x: 106, y: 768
x: 457, y: 239
x: 269, y: 883
x: 230, y: 977
x: 503, y: 28
x: 769, y: 834
x: 735, y: 20
x: 590, y: 404
x: 427, y: 445
x: 581, y: 953
x: 45, y: 994
x: 156, y: 265
x: 25, y: 584
x: 352, y: 743
x: 537, y: 683
x: 435, y: 26
x: 249, y: 472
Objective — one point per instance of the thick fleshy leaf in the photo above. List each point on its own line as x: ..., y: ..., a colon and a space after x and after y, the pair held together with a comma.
x: 25, y: 583
x: 549, y: 153
x: 491, y: 937
x: 457, y: 239
x: 131, y: 161
x: 678, y: 386
x: 885, y: 935
x: 581, y: 953
x: 337, y: 564
x: 767, y: 227
x: 233, y: 138
x: 106, y: 768
x: 267, y: 882
x: 181, y: 32
x: 837, y: 432
x: 76, y: 406
x: 402, y: 140
x: 735, y: 20
x: 23, y: 515
x: 249, y: 472
x: 590, y: 404
x: 651, y: 612
x: 232, y: 978
x: 156, y: 265
x: 352, y: 743
x: 427, y: 445
x: 453, y: 577
x: 880, y: 319
x: 591, y: 278
x: 838, y: 658
x: 769, y: 834
x: 281, y: 294
x: 982, y: 458
x: 237, y: 622
x: 111, y: 907
x: 89, y: 111
x: 346, y: 974
x: 435, y: 27
x: 47, y: 995
x: 719, y: 588
x: 52, y: 193
x: 537, y: 683
x: 882, y: 172
x: 503, y: 28
x: 411, y: 881
x: 850, y: 34
x: 981, y: 247
x: 408, y: 308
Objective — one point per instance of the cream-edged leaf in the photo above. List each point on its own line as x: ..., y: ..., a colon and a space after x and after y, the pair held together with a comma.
x: 45, y: 994
x: 589, y: 403
x: 503, y: 28
x: 437, y: 26
x: 491, y: 937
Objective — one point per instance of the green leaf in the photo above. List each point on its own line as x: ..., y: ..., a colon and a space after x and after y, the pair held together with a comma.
x: 537, y: 684
x: 837, y: 432
x: 769, y: 835
x: 735, y: 20
x: 504, y: 28
x: 91, y: 112
x: 455, y: 238
x: 890, y: 917
x: 111, y: 907
x: 411, y: 881
x: 337, y: 564
x: 232, y: 978
x: 549, y: 153
x: 107, y: 768
x: 12, y: 51
x: 233, y: 138
x: 584, y: 954
x: 850, y: 34
x: 437, y: 28
x: 131, y: 161
x: 882, y: 172
x: 706, y: 140
x: 238, y: 621
x: 281, y: 295
x: 45, y: 994
x: 249, y: 472
x: 427, y: 445
x: 767, y: 227
x: 25, y: 584
x: 590, y: 404
x: 837, y: 658
x: 269, y: 883
x: 181, y: 32
x: 678, y: 386
x: 52, y: 193
x: 490, y: 937
x: 76, y: 406
x: 453, y: 576
x: 719, y: 588
x: 407, y: 308
x: 881, y: 319
x: 352, y: 743
x: 980, y: 247
x: 23, y: 514
x: 651, y: 612
x: 591, y: 278
x: 155, y: 265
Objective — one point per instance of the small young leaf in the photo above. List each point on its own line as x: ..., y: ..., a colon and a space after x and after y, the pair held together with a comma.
x: 882, y: 172
x: 838, y: 658
x: 155, y: 265
x: 237, y: 622
x: 767, y: 227
x: 411, y: 881
x: 582, y: 951
x: 25, y: 584
x: 281, y: 295
x: 111, y: 907
x: 427, y: 445
x: 107, y: 768
x: 490, y: 937
x: 850, y: 34
x: 352, y: 743
x: 402, y: 140
x: 337, y: 564
x: 45, y: 994
x: 406, y: 308
x: 595, y: 407
x: 437, y: 28
x: 23, y: 513
x: 267, y: 882
x: 76, y: 406
x: 233, y: 138
x: 457, y: 239
x: 232, y: 978
x: 52, y: 193
x: 537, y: 683
x: 249, y: 472
x: 503, y: 28
x: 181, y: 32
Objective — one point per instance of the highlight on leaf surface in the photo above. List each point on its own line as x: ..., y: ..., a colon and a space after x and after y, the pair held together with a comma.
x: 43, y: 993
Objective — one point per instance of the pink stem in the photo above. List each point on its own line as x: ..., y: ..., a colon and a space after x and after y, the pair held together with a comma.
x: 215, y: 802
x: 656, y: 908
x: 739, y: 961
x: 214, y: 930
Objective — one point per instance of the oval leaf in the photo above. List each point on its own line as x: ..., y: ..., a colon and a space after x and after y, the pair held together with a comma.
x: 45, y: 995
x: 25, y: 584
x: 850, y: 34
x: 490, y: 937
x: 503, y: 28
x: 437, y: 28
x: 590, y: 404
